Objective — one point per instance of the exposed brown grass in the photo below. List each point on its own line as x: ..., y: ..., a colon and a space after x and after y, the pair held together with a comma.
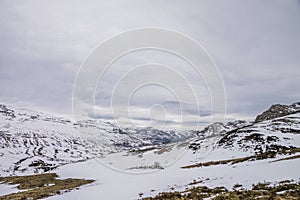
x: 287, y: 158
x: 284, y: 190
x: 40, y: 186
x: 261, y: 156
x: 219, y: 162
x: 164, y: 150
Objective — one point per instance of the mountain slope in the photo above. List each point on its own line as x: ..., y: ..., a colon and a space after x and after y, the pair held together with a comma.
x: 222, y: 157
x: 36, y: 142
x: 264, y: 153
x: 229, y: 164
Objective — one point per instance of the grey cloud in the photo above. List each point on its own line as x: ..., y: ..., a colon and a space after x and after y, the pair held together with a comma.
x: 255, y: 45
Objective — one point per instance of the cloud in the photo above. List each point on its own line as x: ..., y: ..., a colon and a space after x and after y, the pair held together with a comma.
x: 255, y: 45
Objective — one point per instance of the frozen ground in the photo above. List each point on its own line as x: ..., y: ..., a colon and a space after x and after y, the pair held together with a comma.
x: 139, y: 162
x: 112, y: 184
x: 8, y: 189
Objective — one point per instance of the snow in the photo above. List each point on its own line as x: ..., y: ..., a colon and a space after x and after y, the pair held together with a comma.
x: 8, y: 189
x: 112, y: 184
x: 126, y: 165
x: 27, y: 136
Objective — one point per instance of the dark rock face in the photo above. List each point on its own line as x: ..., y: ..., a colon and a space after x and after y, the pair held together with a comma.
x: 7, y: 112
x: 278, y: 110
x: 41, y: 165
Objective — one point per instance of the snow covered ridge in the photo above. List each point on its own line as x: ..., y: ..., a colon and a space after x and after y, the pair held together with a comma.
x: 277, y: 127
x: 223, y: 155
x: 265, y: 151
x: 236, y: 154
x: 32, y: 141
x: 282, y: 132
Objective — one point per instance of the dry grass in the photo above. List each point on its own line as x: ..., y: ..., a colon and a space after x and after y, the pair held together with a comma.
x: 287, y: 158
x: 261, y: 156
x: 219, y: 162
x: 40, y: 186
x: 164, y: 150
x: 284, y: 190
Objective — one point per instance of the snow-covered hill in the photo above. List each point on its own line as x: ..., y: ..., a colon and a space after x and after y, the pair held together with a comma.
x: 32, y: 141
x: 235, y: 153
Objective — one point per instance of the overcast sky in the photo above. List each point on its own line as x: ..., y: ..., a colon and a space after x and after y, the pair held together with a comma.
x: 255, y: 44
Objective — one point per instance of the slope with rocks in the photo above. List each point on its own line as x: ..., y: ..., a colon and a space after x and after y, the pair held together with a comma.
x: 264, y: 153
x: 278, y: 110
x: 32, y: 141
x: 269, y: 132
x: 222, y: 157
x: 240, y: 160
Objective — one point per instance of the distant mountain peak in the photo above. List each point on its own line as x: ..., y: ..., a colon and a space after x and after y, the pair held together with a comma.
x: 278, y: 110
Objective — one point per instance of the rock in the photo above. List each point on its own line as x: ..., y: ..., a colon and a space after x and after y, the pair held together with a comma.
x: 278, y: 110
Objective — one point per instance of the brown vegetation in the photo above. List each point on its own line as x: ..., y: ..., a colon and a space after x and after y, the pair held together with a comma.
x: 40, y: 186
x: 284, y: 190
x: 261, y: 156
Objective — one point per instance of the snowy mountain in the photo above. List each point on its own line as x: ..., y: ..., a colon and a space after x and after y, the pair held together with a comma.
x: 34, y: 141
x: 278, y: 110
x: 219, y: 158
x: 273, y: 134
x: 236, y: 160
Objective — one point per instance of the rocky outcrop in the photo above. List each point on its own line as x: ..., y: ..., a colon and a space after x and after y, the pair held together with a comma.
x: 278, y: 110
x: 7, y: 112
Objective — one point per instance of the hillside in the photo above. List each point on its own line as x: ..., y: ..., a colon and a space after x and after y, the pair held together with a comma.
x: 32, y: 141
x: 222, y: 160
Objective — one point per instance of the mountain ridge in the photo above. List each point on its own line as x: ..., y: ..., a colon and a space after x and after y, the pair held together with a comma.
x: 224, y: 155
x: 36, y: 142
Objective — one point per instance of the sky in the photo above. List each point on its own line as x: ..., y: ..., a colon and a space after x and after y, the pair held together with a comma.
x: 254, y: 44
